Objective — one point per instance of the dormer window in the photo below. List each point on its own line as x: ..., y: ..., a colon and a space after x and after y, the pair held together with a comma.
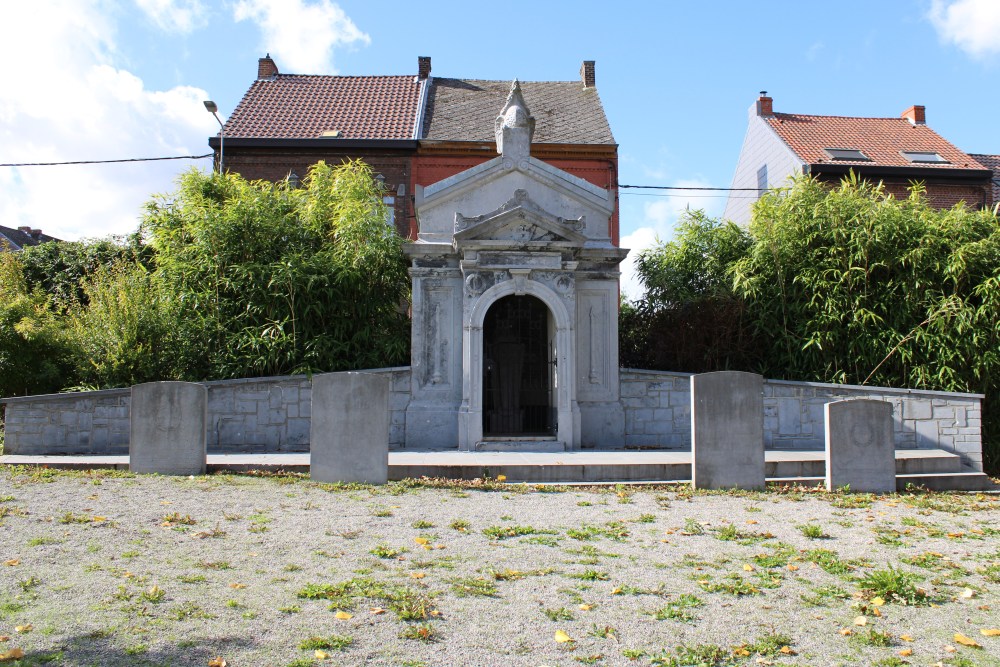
x: 852, y: 154
x: 923, y: 157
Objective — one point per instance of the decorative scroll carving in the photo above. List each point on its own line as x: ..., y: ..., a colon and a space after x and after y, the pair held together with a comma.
x: 525, y: 206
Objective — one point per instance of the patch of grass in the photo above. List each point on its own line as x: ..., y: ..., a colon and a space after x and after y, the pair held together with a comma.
x: 602, y: 631
x: 692, y: 527
x: 385, y: 551
x: 699, y: 655
x: 560, y: 614
x: 822, y: 596
x: 474, y: 587
x: 290, y: 609
x: 892, y: 585
x: 215, y: 565
x: 508, y: 532
x: 813, y: 531
x: 192, y: 578
x: 890, y: 661
x: 543, y: 540
x: 421, y: 524
x: 153, y: 594
x: 70, y: 517
x: 779, y: 557
x: 590, y: 575
x: 873, y: 637
x: 424, y: 632
x: 42, y: 541
x: 828, y: 561
x: 732, y: 584
x: 331, y: 643
x: 730, y: 533
x: 177, y: 519
x: 677, y: 610
x: 188, y: 610
x: 461, y: 525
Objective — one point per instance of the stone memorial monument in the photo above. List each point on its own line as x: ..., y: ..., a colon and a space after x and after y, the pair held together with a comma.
x: 167, y: 428
x: 860, y: 451
x: 515, y: 305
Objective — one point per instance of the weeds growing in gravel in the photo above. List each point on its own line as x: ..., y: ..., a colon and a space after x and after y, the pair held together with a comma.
x: 892, y: 585
x: 813, y: 531
x: 331, y: 643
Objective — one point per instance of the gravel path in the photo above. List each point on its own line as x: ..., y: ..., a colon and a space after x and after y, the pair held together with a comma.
x: 112, y: 569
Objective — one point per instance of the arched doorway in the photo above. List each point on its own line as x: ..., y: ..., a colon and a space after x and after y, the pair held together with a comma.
x: 519, y: 369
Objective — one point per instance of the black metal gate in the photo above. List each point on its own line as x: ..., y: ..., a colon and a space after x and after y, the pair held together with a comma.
x: 518, y: 369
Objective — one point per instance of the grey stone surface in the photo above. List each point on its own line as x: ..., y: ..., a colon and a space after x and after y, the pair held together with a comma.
x: 350, y: 428
x: 167, y: 434
x: 859, y: 446
x: 727, y: 431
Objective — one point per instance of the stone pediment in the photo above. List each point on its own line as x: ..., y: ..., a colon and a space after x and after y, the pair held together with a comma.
x: 520, y: 221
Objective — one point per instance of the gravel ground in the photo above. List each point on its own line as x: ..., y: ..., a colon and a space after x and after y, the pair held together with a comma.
x: 113, y: 569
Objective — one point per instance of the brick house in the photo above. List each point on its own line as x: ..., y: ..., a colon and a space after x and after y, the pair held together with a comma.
x: 12, y: 240
x: 412, y: 129
x: 896, y: 151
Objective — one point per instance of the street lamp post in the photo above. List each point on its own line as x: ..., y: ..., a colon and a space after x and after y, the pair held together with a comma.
x: 214, y: 110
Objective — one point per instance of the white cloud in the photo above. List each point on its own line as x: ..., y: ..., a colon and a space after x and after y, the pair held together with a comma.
x: 181, y: 16
x: 301, y: 36
x: 972, y: 25
x: 659, y: 218
x: 73, y: 103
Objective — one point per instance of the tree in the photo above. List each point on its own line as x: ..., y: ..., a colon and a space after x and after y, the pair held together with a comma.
x: 842, y: 284
x: 279, y: 279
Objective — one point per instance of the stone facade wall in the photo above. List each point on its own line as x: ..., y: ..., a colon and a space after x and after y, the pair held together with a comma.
x: 254, y: 415
x: 658, y: 414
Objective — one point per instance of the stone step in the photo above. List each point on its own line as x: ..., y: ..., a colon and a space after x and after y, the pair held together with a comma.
x: 926, y: 468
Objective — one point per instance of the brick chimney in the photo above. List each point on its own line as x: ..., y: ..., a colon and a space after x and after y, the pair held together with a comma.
x: 266, y: 69
x: 765, y: 105
x: 587, y: 74
x: 423, y: 67
x: 915, y: 115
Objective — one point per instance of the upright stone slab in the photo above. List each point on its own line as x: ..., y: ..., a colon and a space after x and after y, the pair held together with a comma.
x: 860, y: 452
x: 167, y: 428
x: 727, y: 430
x: 349, y: 438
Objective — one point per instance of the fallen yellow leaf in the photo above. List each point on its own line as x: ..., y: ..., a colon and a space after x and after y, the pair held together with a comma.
x: 588, y: 607
x: 616, y: 591
x: 966, y: 641
x: 990, y: 632
x: 846, y: 631
x: 748, y: 567
x: 877, y: 612
x: 787, y: 650
x: 421, y: 540
x: 377, y: 610
x: 906, y: 638
x: 99, y: 519
x: 561, y: 637
x: 12, y: 562
x: 968, y: 593
x: 13, y: 654
x: 417, y: 575
x: 950, y: 649
x: 877, y: 602
x: 906, y: 652
x: 793, y: 568
x: 501, y: 478
x: 955, y: 535
x: 860, y: 620
x: 237, y: 586
x: 217, y: 662
x: 23, y: 629
x: 751, y: 521
x: 321, y: 655
x: 343, y: 616
x: 741, y: 651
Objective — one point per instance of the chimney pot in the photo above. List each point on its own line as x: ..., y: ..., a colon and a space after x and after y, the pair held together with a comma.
x: 25, y: 229
x: 423, y: 67
x: 587, y: 74
x: 266, y: 69
x: 915, y: 114
x: 765, y: 105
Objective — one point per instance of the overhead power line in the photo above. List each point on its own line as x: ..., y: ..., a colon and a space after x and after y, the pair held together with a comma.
x: 682, y: 187
x: 131, y: 159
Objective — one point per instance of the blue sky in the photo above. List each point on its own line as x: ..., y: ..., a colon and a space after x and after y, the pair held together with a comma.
x: 96, y: 79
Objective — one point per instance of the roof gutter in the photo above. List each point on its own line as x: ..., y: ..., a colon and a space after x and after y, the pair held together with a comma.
x: 936, y: 173
x: 328, y: 143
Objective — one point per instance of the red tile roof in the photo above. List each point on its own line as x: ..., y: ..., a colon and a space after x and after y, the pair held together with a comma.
x: 296, y: 106
x: 881, y: 139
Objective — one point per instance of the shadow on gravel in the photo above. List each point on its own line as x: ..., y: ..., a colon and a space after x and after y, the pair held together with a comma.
x: 91, y: 651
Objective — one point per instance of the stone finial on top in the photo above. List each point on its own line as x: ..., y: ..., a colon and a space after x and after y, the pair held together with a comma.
x: 514, y: 126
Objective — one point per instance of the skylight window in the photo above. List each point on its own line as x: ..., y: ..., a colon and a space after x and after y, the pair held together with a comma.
x: 923, y: 156
x: 847, y: 154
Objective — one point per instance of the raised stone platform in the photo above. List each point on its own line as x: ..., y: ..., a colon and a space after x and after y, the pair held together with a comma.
x: 933, y: 469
